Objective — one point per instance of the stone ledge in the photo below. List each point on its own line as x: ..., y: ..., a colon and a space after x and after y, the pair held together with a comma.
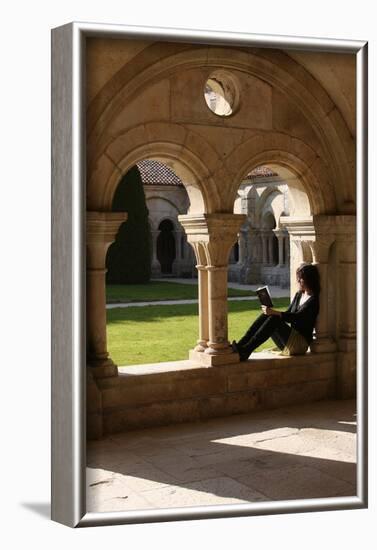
x: 196, y: 409
x: 161, y: 394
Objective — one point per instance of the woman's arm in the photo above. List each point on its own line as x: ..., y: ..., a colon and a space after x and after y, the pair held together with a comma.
x: 307, y: 310
x: 270, y: 311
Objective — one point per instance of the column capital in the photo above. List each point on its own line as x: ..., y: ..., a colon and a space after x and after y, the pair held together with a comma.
x: 213, y: 234
x: 102, y: 227
x: 320, y: 248
x: 317, y: 232
x: 205, y: 224
x: 101, y: 230
x: 279, y: 233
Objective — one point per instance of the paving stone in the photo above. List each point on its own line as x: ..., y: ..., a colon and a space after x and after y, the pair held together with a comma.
x: 297, y: 482
x: 306, y: 451
x: 184, y: 469
x: 114, y: 495
x: 315, y: 443
x: 216, y: 491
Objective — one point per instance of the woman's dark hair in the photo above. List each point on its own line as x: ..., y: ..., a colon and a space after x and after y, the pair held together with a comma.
x: 310, y: 274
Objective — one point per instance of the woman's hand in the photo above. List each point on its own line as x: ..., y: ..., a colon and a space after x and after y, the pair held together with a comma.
x: 269, y: 311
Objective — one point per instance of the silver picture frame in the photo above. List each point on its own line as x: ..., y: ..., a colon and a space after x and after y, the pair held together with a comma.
x: 68, y: 273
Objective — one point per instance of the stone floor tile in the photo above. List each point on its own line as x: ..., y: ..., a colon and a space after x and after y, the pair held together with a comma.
x: 215, y: 491
x: 249, y: 439
x: 230, y: 453
x: 117, y: 499
x: 185, y: 469
x: 306, y: 451
x: 297, y: 482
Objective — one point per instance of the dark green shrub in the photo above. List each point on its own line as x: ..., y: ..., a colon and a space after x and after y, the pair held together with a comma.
x: 129, y: 257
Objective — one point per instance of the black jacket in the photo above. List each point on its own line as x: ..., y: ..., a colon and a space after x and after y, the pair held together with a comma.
x: 302, y: 318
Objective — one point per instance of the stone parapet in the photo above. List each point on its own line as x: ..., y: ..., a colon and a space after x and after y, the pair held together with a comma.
x: 162, y: 394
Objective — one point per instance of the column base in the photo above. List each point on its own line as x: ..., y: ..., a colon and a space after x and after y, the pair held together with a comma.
x: 347, y: 343
x: 208, y: 360
x: 323, y: 345
x: 218, y: 349
x: 201, y: 345
x: 104, y: 368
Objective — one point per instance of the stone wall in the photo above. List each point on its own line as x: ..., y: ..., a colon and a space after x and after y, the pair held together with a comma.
x: 158, y: 395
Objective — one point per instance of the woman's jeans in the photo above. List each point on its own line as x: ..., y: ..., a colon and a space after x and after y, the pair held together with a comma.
x: 263, y: 328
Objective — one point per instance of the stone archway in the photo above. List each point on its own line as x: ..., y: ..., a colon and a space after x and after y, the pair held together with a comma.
x: 332, y: 142
x: 180, y: 149
x: 309, y: 184
x: 139, y: 114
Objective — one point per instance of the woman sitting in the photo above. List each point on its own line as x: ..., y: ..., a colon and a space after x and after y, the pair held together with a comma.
x: 293, y: 338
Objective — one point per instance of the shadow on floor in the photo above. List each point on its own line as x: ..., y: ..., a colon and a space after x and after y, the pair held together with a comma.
x: 291, y: 453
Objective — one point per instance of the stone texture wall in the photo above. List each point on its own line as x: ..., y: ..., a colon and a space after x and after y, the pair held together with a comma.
x: 141, y: 399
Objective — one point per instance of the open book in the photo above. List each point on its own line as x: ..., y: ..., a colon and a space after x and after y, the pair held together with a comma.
x: 264, y: 296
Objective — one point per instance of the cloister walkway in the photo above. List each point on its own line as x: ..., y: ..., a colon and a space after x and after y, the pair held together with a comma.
x: 306, y: 451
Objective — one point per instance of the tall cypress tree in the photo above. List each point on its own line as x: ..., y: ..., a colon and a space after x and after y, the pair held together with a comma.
x: 129, y: 257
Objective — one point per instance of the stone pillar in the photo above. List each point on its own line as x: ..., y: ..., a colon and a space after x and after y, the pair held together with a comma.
x: 218, y: 310
x: 280, y: 237
x: 101, y: 230
x: 347, y: 296
x: 202, y: 297
x: 320, y: 247
x: 215, y: 235
x: 251, y: 255
x: 270, y: 249
x: 264, y: 248
x: 287, y: 250
x: 242, y: 250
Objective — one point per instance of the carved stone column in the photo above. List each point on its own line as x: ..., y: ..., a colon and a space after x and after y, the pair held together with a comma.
x: 264, y: 248
x: 242, y: 250
x: 311, y: 240
x: 202, y: 297
x: 270, y: 249
x: 324, y: 341
x: 101, y: 230
x: 214, y: 235
x: 280, y: 237
x: 287, y: 251
x: 347, y: 315
x: 156, y: 268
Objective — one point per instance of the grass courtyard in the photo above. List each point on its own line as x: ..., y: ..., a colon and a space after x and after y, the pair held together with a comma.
x: 153, y: 334
x: 157, y: 291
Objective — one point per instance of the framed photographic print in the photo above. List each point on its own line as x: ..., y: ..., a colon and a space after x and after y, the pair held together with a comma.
x: 209, y: 274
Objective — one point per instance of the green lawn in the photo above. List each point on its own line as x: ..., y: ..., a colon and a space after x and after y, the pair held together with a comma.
x: 154, y: 334
x: 157, y: 291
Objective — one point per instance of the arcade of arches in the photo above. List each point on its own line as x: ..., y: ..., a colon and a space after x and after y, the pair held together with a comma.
x: 293, y: 112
